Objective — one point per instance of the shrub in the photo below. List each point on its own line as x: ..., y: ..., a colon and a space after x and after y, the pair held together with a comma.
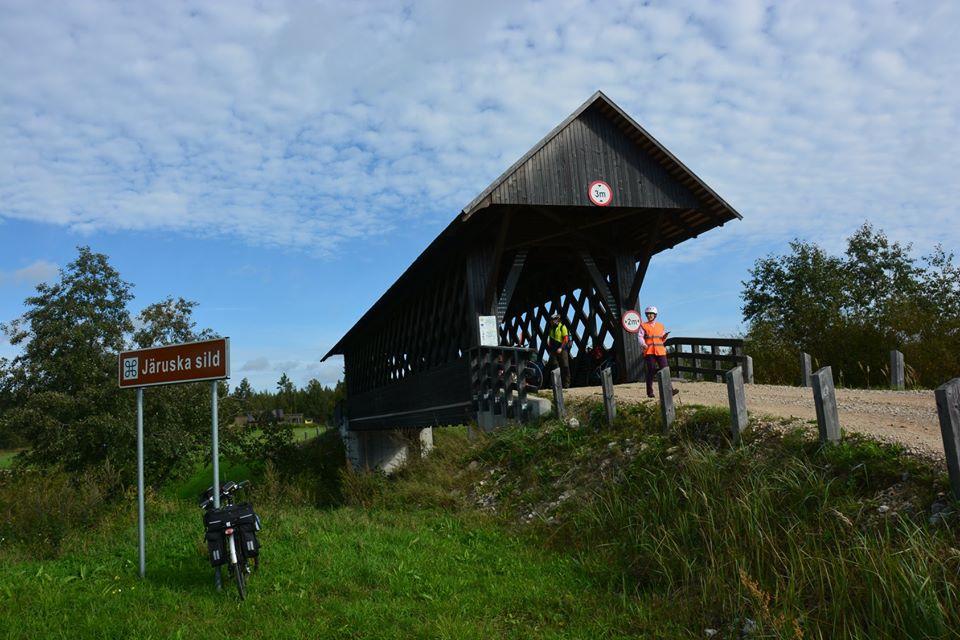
x: 39, y: 507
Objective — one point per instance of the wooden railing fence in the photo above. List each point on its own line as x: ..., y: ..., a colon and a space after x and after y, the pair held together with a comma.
x: 705, y: 358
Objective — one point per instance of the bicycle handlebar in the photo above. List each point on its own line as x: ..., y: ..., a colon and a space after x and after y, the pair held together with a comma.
x: 227, y: 489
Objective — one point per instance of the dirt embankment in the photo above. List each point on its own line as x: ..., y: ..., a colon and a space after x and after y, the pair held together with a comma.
x: 909, y: 417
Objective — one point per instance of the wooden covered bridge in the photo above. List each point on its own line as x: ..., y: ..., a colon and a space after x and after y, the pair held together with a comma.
x: 571, y: 226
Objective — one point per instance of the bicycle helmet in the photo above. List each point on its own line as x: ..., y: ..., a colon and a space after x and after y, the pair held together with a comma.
x: 652, y: 310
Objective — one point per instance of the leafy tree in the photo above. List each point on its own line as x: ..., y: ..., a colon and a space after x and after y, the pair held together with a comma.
x: 243, y: 392
x: 878, y: 275
x: 286, y: 393
x: 284, y: 385
x: 9, y: 439
x: 60, y: 395
x: 62, y: 387
x: 850, y: 311
x: 797, y: 294
x: 168, y: 322
x: 318, y: 401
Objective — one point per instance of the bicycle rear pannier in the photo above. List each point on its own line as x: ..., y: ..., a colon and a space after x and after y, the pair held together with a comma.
x: 234, y: 515
x: 249, y: 524
x: 249, y: 542
x: 216, y: 550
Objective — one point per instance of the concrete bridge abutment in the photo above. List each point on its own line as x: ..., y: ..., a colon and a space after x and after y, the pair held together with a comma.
x: 384, y: 450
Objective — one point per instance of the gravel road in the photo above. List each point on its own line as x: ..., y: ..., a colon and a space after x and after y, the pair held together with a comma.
x: 909, y: 417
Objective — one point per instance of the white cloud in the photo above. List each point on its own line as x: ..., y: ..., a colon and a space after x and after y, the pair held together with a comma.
x: 263, y: 373
x: 311, y: 126
x: 32, y: 274
x: 257, y: 364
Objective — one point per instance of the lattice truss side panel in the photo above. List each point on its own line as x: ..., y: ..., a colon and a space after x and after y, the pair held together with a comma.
x: 584, y: 312
x: 422, y: 332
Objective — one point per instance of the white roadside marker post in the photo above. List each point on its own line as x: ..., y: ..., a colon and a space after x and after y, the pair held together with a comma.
x: 738, y: 402
x: 805, y: 369
x: 558, y: 394
x: 897, y: 379
x: 825, y: 398
x: 667, y: 411
x: 948, y: 410
x: 609, y: 402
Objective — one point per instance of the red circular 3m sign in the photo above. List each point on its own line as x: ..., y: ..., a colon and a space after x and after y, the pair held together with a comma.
x: 600, y: 193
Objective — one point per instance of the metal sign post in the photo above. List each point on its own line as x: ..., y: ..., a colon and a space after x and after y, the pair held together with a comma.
x: 216, y: 446
x: 173, y: 364
x: 141, y: 522
x: 217, y: 577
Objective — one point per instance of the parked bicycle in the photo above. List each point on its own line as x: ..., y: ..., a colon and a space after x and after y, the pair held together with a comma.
x: 231, y: 533
x: 601, y: 359
x: 533, y: 375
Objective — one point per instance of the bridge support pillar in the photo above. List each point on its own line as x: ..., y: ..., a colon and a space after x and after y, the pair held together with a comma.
x: 386, y: 450
x: 629, y: 353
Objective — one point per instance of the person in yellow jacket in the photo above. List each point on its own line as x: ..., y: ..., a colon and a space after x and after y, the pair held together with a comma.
x: 655, y: 352
x: 558, y: 339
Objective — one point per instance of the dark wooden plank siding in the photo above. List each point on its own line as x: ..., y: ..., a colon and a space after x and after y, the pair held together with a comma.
x: 428, y: 395
x: 590, y: 148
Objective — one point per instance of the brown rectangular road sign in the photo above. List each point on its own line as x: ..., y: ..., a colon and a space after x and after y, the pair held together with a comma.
x: 188, y: 362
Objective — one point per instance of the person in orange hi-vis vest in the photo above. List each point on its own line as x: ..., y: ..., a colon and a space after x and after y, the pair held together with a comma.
x: 654, y: 338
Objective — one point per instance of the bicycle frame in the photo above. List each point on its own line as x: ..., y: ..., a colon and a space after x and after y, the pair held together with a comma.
x: 233, y: 546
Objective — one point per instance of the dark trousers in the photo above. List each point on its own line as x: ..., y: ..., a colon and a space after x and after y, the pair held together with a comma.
x: 654, y: 364
x: 563, y: 360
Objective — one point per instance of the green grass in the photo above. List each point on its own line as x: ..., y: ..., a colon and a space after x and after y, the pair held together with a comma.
x: 781, y: 530
x: 344, y: 573
x: 585, y: 533
x: 304, y: 433
x: 7, y: 456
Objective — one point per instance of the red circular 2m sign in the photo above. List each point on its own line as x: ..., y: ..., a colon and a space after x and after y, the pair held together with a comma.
x: 631, y: 321
x: 600, y: 193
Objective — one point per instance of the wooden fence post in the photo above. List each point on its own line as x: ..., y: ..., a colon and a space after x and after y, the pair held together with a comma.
x: 805, y: 369
x: 825, y: 398
x: 897, y: 378
x: 748, y: 370
x: 948, y: 409
x: 666, y: 398
x: 738, y: 402
x: 558, y: 394
x: 697, y: 349
x: 609, y: 403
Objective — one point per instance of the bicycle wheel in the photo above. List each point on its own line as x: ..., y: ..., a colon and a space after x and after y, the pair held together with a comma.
x: 239, y: 575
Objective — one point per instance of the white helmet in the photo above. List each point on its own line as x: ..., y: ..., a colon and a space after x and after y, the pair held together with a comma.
x: 652, y: 310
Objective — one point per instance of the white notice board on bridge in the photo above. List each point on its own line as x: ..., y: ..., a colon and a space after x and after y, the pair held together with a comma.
x: 488, y: 331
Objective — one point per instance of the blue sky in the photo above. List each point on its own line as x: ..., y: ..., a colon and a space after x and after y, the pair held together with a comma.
x: 282, y: 163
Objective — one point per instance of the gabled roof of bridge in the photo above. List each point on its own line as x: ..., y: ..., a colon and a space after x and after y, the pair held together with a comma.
x: 635, y: 133
x: 676, y: 188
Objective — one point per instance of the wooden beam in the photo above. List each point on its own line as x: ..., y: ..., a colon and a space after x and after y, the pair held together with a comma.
x: 600, y: 283
x: 651, y: 243
x: 572, y: 229
x: 491, y: 289
x: 511, y: 284
x: 628, y: 351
